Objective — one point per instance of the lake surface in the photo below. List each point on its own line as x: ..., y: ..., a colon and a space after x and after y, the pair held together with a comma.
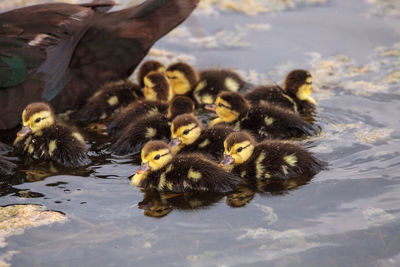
x: 348, y: 215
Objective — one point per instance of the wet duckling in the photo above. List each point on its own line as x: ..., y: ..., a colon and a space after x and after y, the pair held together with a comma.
x: 147, y: 67
x: 212, y: 82
x: 157, y: 93
x: 163, y: 172
x: 151, y: 127
x: 294, y: 95
x: 42, y: 138
x: 182, y: 78
x: 188, y: 135
x: 270, y: 159
x: 265, y: 121
x: 111, y: 97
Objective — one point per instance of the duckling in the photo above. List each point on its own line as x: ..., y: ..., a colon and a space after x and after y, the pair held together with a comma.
x: 181, y: 77
x: 294, y: 95
x: 147, y: 67
x: 107, y: 100
x: 188, y: 135
x: 42, y: 138
x: 212, y: 82
x: 156, y: 87
x: 162, y: 171
x: 271, y: 159
x: 151, y: 127
x: 265, y: 121
x: 157, y: 93
x: 132, y: 112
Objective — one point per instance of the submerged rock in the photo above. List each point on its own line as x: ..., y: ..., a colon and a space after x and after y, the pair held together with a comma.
x: 14, y: 219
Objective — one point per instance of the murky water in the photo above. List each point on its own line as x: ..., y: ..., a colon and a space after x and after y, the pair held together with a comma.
x: 346, y: 216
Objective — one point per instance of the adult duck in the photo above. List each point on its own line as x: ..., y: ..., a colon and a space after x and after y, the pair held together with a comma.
x: 62, y: 53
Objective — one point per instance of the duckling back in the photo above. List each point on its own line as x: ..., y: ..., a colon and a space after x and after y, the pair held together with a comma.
x: 272, y: 95
x: 138, y: 132
x: 189, y: 173
x: 274, y: 159
x: 212, y: 82
x: 269, y: 121
x: 110, y: 98
x: 133, y: 112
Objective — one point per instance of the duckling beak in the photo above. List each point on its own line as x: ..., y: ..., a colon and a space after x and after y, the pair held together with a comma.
x: 174, y: 143
x: 211, y: 107
x: 24, y: 131
x: 228, y: 160
x: 143, y: 168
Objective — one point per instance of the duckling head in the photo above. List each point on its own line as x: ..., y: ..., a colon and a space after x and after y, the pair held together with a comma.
x: 147, y: 67
x: 155, y: 155
x: 35, y: 117
x: 238, y: 148
x: 185, y: 130
x: 182, y: 77
x: 180, y: 105
x: 228, y: 106
x: 298, y: 84
x: 156, y: 87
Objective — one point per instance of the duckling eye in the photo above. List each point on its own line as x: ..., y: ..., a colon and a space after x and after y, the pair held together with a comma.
x: 185, y: 132
x: 220, y: 105
x: 157, y: 157
x: 239, y: 149
x: 37, y: 120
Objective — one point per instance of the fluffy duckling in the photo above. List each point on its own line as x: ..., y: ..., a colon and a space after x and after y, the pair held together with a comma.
x: 267, y: 160
x: 157, y: 93
x: 110, y: 98
x: 188, y: 135
x: 163, y: 172
x: 156, y: 87
x: 296, y: 93
x: 132, y: 112
x: 265, y: 121
x: 151, y: 127
x: 182, y: 78
x: 212, y: 82
x: 147, y: 67
x: 42, y: 138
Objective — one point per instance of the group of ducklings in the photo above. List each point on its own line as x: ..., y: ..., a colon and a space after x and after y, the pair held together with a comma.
x: 245, y: 135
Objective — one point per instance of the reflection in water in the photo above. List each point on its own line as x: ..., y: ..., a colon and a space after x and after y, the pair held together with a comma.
x: 245, y: 192
x: 158, y: 205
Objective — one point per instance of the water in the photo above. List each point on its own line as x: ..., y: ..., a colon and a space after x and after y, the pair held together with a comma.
x: 345, y: 216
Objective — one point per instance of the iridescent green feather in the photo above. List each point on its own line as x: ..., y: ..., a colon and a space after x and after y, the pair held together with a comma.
x: 13, y: 71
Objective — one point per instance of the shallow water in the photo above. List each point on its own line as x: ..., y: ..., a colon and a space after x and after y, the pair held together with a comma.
x: 346, y: 216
